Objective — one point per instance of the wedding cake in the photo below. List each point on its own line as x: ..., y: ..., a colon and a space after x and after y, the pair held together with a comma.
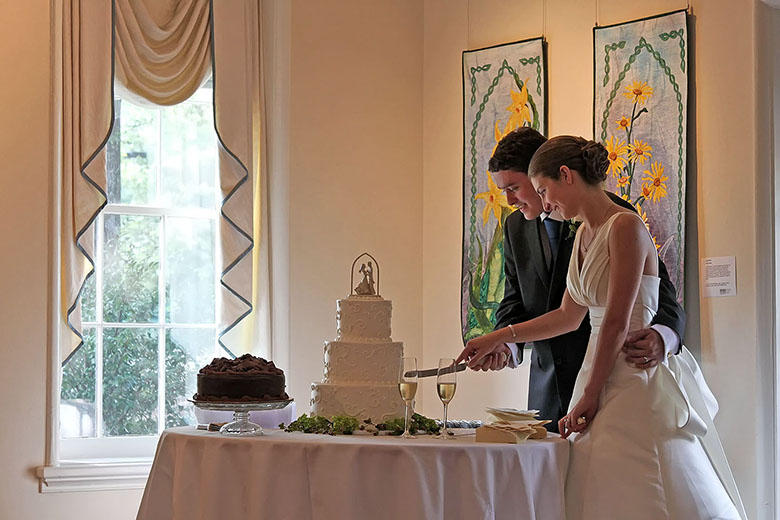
x: 362, y: 363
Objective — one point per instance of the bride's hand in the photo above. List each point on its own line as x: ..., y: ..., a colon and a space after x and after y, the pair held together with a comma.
x: 580, y: 417
x: 476, y: 349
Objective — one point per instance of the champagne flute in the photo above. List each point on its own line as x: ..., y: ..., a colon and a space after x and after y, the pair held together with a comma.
x: 446, y: 382
x: 407, y: 386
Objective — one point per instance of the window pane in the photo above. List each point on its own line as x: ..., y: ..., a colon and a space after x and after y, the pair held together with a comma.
x: 186, y: 350
x: 88, y: 292
x: 190, y: 278
x: 77, y: 397
x: 130, y: 381
x: 132, y: 155
x: 131, y: 267
x: 189, y: 156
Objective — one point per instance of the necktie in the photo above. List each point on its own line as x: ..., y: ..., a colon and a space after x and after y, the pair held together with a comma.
x: 553, y: 228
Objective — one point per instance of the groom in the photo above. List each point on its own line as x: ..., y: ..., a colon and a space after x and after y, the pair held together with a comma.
x: 537, y: 248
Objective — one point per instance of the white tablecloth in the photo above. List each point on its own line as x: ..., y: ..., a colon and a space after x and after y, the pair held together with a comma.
x: 206, y: 475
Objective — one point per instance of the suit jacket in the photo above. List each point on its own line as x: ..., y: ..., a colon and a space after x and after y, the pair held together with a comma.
x: 531, y: 290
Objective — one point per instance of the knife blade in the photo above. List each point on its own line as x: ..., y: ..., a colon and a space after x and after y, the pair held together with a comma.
x: 430, y: 372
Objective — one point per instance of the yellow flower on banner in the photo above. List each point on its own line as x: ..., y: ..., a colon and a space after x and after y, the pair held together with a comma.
x: 617, y: 152
x: 622, y: 182
x: 643, y: 214
x: 626, y: 198
x: 623, y: 123
x: 494, y: 200
x: 519, y: 107
x: 498, y: 134
x: 655, y: 180
x: 646, y: 191
x: 640, y: 151
x: 638, y: 92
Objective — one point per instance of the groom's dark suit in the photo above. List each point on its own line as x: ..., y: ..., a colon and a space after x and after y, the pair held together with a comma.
x: 532, y: 290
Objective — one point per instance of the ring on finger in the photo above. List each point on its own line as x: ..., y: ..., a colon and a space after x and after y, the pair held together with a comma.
x: 647, y: 359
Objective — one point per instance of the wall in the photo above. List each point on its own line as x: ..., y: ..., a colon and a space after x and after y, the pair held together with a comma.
x: 355, y: 168
x: 723, y: 186
x: 767, y: 48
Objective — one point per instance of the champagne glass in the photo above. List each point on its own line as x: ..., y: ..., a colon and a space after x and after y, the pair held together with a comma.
x: 446, y: 382
x: 407, y: 386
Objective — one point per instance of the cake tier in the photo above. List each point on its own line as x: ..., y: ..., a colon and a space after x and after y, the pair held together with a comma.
x: 363, y: 319
x: 353, y: 362
x: 376, y: 402
x: 240, y: 387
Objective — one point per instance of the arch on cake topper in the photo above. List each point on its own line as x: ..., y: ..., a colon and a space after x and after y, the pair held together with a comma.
x: 368, y: 275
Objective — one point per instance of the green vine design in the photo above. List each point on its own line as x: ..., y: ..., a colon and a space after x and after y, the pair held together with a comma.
x: 505, y: 67
x: 610, y: 47
x: 537, y: 60
x: 680, y: 119
x: 473, y: 76
x: 673, y: 35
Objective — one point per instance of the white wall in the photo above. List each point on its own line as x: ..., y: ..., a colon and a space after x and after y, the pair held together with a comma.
x: 724, y: 189
x: 355, y: 169
x: 767, y: 109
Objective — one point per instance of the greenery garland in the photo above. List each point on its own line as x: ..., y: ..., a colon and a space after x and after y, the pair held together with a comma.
x: 343, y: 425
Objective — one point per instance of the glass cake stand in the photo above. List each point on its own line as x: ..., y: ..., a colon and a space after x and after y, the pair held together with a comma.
x: 241, y: 426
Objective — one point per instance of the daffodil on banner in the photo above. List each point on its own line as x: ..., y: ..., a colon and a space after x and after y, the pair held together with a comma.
x: 494, y: 202
x: 521, y: 112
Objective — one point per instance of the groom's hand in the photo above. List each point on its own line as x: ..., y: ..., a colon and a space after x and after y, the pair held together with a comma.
x: 644, y: 348
x: 498, y: 360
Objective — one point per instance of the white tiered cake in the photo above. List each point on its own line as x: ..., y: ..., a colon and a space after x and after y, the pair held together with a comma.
x: 361, y: 365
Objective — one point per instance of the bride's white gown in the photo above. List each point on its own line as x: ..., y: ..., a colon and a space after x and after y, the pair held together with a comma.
x: 646, y: 454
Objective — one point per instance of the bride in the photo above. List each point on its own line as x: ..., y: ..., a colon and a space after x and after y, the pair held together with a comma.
x: 643, y: 443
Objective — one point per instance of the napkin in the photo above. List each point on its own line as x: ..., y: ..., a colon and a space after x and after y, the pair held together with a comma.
x: 504, y: 433
x: 512, y: 414
x: 520, y: 418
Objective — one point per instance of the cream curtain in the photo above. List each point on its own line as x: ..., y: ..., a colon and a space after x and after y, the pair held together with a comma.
x: 164, y: 50
x: 239, y: 120
x: 82, y: 121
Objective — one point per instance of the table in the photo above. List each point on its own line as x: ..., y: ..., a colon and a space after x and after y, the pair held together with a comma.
x: 205, y: 475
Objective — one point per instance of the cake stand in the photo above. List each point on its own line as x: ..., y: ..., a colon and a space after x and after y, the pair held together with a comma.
x: 241, y: 426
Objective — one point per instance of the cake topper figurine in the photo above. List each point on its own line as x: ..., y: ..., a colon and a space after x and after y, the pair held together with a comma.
x: 366, y: 285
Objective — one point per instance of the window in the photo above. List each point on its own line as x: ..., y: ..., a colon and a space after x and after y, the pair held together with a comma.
x: 149, y: 311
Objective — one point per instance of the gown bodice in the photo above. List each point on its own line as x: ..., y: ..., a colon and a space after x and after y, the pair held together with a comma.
x: 588, y: 281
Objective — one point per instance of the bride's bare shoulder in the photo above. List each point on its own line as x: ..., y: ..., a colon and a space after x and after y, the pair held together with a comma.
x: 626, y: 226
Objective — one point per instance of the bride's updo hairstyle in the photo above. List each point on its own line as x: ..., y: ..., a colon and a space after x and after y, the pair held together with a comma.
x: 589, y: 158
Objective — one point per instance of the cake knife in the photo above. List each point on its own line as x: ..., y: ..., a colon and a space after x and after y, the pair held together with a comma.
x: 435, y: 371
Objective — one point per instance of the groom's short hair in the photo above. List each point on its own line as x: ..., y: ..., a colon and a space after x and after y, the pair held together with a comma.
x: 515, y: 149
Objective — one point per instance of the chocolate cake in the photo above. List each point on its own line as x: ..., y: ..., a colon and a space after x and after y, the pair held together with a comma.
x: 247, y: 378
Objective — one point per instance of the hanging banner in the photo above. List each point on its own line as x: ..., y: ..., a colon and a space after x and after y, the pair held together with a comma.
x: 640, y: 113
x: 504, y: 88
